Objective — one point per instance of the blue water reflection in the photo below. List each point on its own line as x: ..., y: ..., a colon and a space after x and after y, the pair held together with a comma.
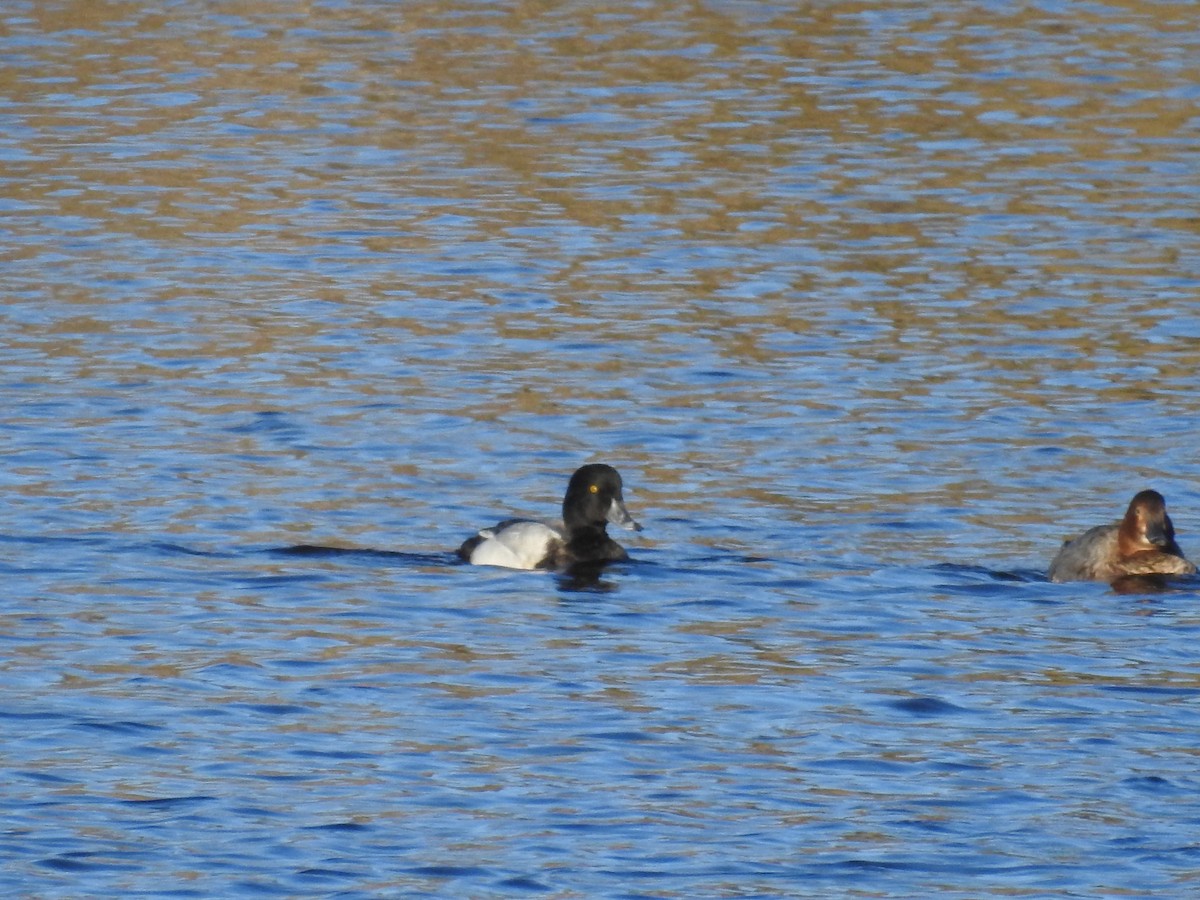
x: 870, y: 307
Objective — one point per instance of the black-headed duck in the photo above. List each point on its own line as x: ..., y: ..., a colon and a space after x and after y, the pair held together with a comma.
x: 593, y: 499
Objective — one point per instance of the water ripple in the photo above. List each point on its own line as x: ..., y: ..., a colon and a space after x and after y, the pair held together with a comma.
x: 871, y: 306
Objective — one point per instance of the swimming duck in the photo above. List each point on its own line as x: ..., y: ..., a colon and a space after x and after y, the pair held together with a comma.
x: 1141, y: 544
x: 593, y: 499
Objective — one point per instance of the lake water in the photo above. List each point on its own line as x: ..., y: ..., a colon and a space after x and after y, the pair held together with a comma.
x: 871, y: 304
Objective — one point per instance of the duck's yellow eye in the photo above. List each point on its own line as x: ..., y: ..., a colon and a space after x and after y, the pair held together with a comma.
x: 595, y: 488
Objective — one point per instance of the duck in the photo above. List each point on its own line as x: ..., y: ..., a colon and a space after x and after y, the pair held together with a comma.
x: 1142, y: 544
x: 592, y: 501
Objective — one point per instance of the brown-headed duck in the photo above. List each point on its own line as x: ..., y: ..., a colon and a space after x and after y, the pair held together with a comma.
x: 593, y: 499
x: 1141, y: 544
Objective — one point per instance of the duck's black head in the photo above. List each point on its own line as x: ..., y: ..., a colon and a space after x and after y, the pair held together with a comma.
x: 594, y: 498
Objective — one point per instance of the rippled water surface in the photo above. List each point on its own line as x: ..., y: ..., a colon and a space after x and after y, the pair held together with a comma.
x: 872, y: 304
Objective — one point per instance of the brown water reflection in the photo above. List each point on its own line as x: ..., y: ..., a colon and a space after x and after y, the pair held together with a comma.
x: 845, y: 290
